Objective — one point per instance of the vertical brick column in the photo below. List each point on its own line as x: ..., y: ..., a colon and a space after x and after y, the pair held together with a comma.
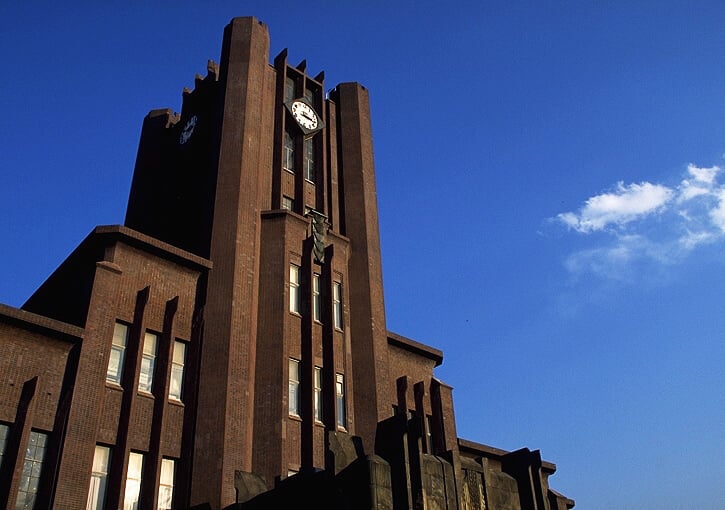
x: 74, y: 473
x: 372, y: 396
x: 244, y: 118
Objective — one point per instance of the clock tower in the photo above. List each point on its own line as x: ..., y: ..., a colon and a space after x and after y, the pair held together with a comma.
x: 273, y: 180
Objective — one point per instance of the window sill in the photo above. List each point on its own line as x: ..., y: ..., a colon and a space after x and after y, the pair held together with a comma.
x: 176, y: 402
x: 144, y: 393
x: 295, y: 417
x: 113, y: 386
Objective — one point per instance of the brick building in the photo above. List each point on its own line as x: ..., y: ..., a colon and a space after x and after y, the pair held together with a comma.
x: 227, y: 345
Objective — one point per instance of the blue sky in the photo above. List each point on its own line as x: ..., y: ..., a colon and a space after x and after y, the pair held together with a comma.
x: 551, y: 186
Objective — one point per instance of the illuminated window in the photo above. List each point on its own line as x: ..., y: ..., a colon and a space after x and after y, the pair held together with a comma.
x: 340, y: 397
x: 294, y: 387
x: 288, y: 154
x: 4, y: 433
x: 118, y: 352
x: 317, y: 383
x: 148, y: 360
x: 32, y: 467
x: 316, y: 305
x: 166, y: 484
x: 294, y: 288
x: 133, y: 481
x: 337, y: 304
x: 177, y: 370
x: 99, y: 478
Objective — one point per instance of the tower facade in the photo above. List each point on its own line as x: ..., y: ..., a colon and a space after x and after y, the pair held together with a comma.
x: 227, y: 345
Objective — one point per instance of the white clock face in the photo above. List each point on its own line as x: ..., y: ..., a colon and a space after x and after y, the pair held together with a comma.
x: 304, y: 115
x: 188, y: 130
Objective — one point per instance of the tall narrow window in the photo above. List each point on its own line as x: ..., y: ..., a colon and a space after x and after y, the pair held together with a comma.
x: 340, y: 397
x: 118, y: 352
x: 99, y: 478
x: 133, y: 481
x: 316, y: 305
x: 294, y: 288
x: 294, y: 387
x: 317, y: 383
x: 166, y: 484
x: 289, y: 89
x: 310, y: 160
x: 310, y: 96
x: 32, y: 467
x: 148, y: 361
x: 4, y: 432
x: 288, y: 155
x: 337, y: 304
x: 177, y: 370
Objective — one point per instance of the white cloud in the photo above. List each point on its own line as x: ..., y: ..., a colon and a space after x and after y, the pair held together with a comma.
x: 717, y: 214
x: 646, y: 222
x: 706, y: 175
x: 624, y: 205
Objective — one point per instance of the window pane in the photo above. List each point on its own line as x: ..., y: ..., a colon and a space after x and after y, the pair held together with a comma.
x: 133, y: 481
x: 166, y: 484
x: 289, y: 89
x: 316, y: 305
x: 145, y: 380
x: 177, y: 370
x: 288, y: 153
x: 32, y: 467
x: 310, y: 160
x: 294, y: 284
x: 337, y: 304
x: 340, y: 397
x: 4, y: 432
x: 118, y: 349
x: 317, y: 382
x: 99, y: 478
x: 294, y: 387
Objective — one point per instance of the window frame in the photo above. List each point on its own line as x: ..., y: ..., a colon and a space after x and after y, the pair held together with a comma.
x: 294, y: 399
x: 177, y: 372
x: 99, y: 474
x: 148, y: 363
x: 317, y: 393
x: 135, y: 488
x: 340, y: 401
x: 337, y: 317
x: 288, y: 152
x: 316, y: 298
x: 116, y: 376
x: 166, y: 485
x: 294, y: 288
x: 33, y: 461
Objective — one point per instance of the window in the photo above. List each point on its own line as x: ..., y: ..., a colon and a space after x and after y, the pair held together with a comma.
x: 166, y: 484
x: 32, y: 467
x: 340, y: 396
x: 310, y: 160
x: 316, y: 311
x: 4, y: 433
x: 288, y: 203
x: 294, y: 387
x: 99, y: 478
x: 133, y: 481
x: 289, y: 89
x: 310, y: 96
x: 148, y: 360
x: 288, y: 154
x: 118, y: 351
x: 317, y: 384
x: 294, y: 288
x: 177, y: 371
x: 337, y: 304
